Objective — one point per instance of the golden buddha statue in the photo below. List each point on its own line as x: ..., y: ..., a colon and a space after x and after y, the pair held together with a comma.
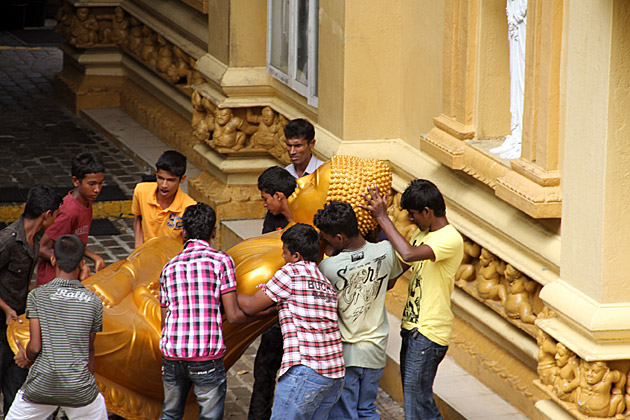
x: 128, y: 358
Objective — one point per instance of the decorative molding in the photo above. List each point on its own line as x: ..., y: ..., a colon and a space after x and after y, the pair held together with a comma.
x: 587, y: 389
x: 605, y: 324
x: 114, y: 27
x: 200, y: 5
x: 522, y: 184
x: 243, y: 132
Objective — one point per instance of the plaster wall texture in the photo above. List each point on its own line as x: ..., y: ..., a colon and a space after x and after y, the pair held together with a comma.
x: 586, y: 119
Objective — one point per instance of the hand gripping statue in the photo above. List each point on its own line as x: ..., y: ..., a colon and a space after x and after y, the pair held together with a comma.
x: 128, y: 360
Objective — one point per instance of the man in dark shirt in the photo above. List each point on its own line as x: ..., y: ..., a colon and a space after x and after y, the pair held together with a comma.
x: 19, y: 248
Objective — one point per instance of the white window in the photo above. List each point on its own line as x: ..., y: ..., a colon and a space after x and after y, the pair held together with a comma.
x: 292, y: 28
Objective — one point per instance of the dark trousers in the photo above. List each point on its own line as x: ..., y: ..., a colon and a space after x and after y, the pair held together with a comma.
x: 11, y: 375
x: 266, y: 366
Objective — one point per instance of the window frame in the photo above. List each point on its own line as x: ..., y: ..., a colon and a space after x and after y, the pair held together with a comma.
x: 290, y: 79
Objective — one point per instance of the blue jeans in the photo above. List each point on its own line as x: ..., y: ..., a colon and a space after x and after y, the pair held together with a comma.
x: 419, y: 359
x: 208, y: 381
x: 303, y: 394
x: 358, y: 395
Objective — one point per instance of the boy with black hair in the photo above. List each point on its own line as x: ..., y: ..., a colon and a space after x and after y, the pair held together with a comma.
x: 158, y: 206
x: 276, y: 185
x: 194, y: 286
x: 19, y: 249
x: 64, y: 319
x: 435, y: 251
x: 311, y: 376
x: 75, y: 214
x: 299, y: 137
x: 361, y: 272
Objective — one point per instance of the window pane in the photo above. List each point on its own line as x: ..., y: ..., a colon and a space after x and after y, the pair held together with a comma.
x: 302, y: 41
x: 279, y: 56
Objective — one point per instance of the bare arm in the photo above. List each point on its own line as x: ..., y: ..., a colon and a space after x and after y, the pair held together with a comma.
x: 137, y: 231
x: 259, y: 303
x: 392, y: 281
x: 9, y: 312
x: 25, y: 357
x: 377, y: 205
x: 91, y: 356
x: 99, y: 262
x: 163, y: 316
x: 235, y: 314
x: 46, y: 248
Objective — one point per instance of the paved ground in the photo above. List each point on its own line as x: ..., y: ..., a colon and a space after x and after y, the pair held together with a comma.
x: 38, y: 137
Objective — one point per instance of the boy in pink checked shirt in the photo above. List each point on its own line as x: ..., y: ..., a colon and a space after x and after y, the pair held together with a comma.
x: 193, y: 285
x: 312, y: 371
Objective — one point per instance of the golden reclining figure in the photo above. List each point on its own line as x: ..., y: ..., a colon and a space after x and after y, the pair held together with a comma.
x: 128, y: 358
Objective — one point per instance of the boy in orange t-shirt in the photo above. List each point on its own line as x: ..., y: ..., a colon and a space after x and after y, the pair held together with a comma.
x: 158, y: 206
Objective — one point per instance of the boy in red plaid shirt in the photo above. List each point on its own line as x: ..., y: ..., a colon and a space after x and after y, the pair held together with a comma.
x: 312, y: 371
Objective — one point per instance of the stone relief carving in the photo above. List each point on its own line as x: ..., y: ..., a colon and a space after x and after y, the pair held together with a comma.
x: 567, y: 373
x: 601, y: 390
x: 500, y: 286
x: 255, y: 130
x: 83, y: 28
x: 106, y: 27
x: 587, y: 389
x: 546, y: 357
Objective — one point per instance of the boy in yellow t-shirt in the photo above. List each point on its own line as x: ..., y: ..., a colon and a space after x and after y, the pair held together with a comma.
x: 435, y: 252
x: 158, y: 206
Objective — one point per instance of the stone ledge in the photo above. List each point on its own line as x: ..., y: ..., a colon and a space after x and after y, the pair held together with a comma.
x: 529, y: 189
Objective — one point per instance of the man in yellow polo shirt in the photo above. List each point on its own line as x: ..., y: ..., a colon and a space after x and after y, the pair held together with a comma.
x: 158, y: 206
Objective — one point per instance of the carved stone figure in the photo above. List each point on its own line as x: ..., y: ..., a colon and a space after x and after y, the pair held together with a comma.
x: 181, y: 70
x: 601, y: 390
x: 516, y: 11
x: 466, y: 271
x: 135, y: 36
x: 204, y: 124
x: 64, y: 18
x: 228, y: 131
x: 165, y: 56
x: 488, y: 281
x: 517, y: 303
x: 118, y: 32
x: 148, y: 52
x: 194, y: 77
x: 268, y: 131
x: 199, y: 112
x: 567, y: 374
x: 83, y: 28
x: 546, y: 357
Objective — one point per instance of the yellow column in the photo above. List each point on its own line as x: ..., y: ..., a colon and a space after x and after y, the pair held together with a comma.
x: 593, y: 297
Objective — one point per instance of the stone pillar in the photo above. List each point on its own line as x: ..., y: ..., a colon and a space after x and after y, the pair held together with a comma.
x: 592, y: 299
